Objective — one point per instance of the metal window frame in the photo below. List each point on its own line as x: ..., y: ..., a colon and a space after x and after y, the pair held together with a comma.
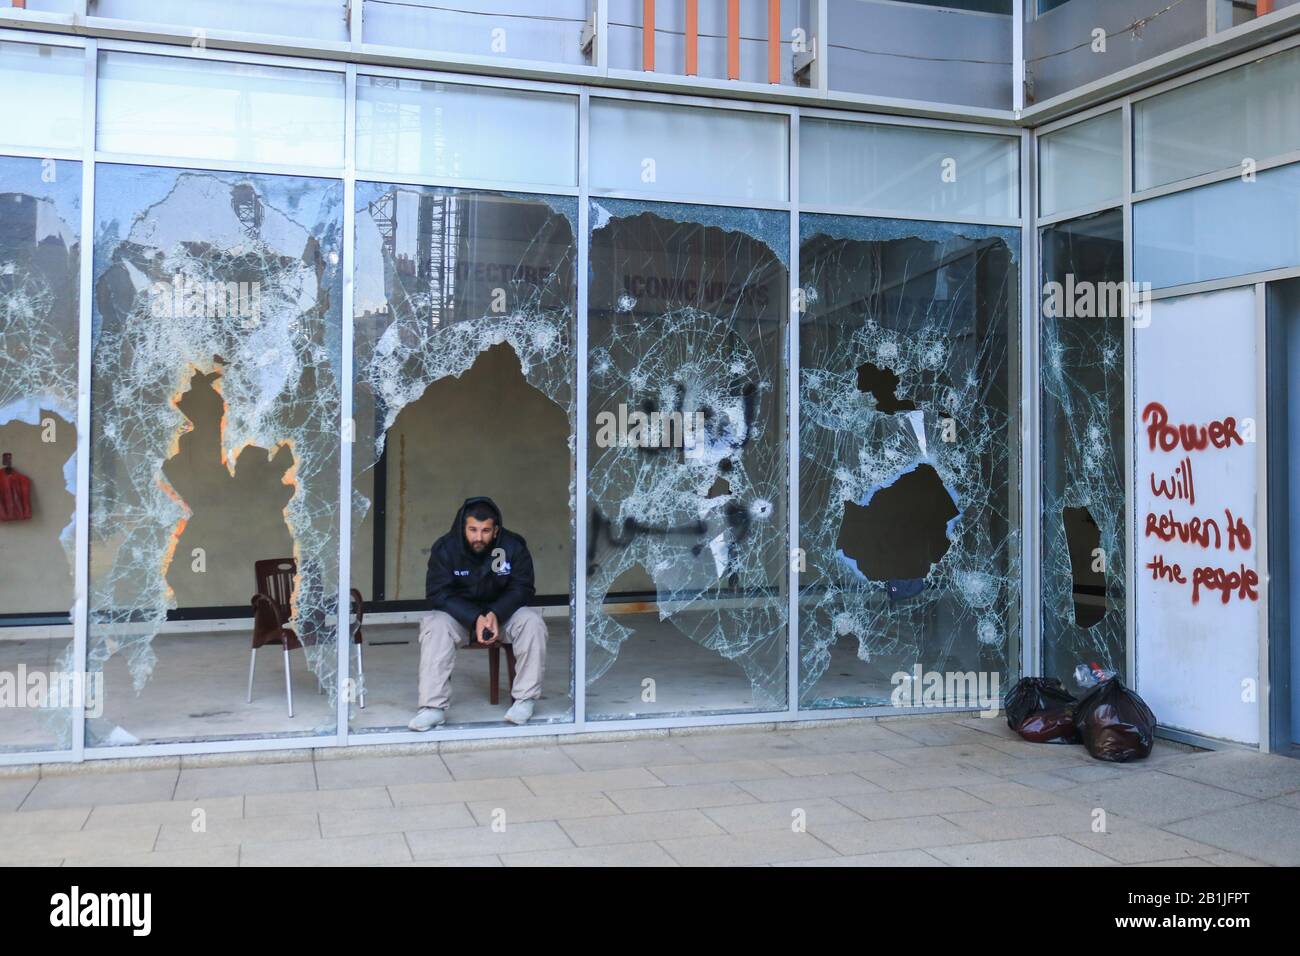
x: 1077, y: 212
x: 1031, y: 621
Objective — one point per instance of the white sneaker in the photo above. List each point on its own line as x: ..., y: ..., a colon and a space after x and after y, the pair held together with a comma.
x: 427, y: 718
x: 520, y: 712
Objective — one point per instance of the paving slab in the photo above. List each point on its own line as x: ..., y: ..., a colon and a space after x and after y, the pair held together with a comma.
x: 313, y: 801
x: 640, y: 827
x: 1256, y: 775
x: 347, y: 851
x: 1028, y: 851
x: 485, y: 841
x: 909, y: 833
x: 781, y: 815
x: 715, y: 772
x: 509, y: 762
x: 555, y: 806
x: 619, y: 854
x: 618, y: 755
x: 196, y: 782
x: 1155, y: 797
x: 436, y: 816
x: 458, y: 791
x: 380, y: 771
x: 889, y: 858
x: 809, y: 787
x: 684, y: 797
x: 749, y: 849
x: 1263, y: 831
x: 628, y: 778
x: 96, y: 789
x: 911, y: 803
x: 234, y: 831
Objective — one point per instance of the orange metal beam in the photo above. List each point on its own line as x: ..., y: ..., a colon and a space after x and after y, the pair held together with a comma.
x: 774, y: 41
x: 692, y: 37
x: 1262, y: 7
x: 733, y: 39
x: 648, y: 35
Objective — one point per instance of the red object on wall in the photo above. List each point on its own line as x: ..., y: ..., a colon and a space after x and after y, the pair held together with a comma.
x: 15, y: 493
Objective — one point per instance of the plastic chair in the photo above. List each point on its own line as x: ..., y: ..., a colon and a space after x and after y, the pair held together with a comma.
x: 271, y: 613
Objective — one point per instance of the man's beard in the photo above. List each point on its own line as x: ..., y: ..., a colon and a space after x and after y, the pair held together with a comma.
x: 479, y: 547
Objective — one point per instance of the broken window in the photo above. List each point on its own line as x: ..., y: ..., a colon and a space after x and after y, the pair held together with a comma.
x: 40, y: 253
x: 464, y: 355
x: 909, y: 474
x: 686, y: 552
x: 216, y: 436
x: 1083, y: 563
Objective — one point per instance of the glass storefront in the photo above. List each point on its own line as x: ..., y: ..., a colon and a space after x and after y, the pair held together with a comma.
x: 40, y: 257
x: 909, y: 457
x: 232, y: 413
x: 1082, y: 409
x: 215, y: 444
x: 464, y: 368
x: 686, y: 507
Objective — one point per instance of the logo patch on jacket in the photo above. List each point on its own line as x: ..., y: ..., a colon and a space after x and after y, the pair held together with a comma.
x: 461, y: 574
x: 504, y: 567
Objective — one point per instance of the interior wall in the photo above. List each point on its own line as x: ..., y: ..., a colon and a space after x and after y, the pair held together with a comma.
x: 486, y: 433
x: 454, y: 442
x: 235, y: 519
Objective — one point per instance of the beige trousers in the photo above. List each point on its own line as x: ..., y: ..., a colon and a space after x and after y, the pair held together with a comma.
x: 441, y: 634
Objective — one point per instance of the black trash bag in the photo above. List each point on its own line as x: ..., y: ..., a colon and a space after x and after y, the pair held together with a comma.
x: 1115, y: 723
x: 1033, y: 695
x: 1053, y: 726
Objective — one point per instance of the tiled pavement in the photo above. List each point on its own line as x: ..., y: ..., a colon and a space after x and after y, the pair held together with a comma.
x: 919, y: 791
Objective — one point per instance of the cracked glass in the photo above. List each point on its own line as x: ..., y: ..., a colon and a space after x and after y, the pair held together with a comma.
x: 909, y: 470
x: 1082, y: 407
x: 464, y: 319
x: 40, y: 254
x: 215, y: 444
x: 687, y: 543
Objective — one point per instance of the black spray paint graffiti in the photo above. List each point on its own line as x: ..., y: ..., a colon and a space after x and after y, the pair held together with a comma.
x: 738, y: 519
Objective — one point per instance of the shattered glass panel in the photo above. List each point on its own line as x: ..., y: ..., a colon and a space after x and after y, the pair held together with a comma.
x: 909, y: 460
x: 215, y: 438
x: 40, y: 254
x: 464, y: 385
x: 687, y: 525
x: 1082, y: 375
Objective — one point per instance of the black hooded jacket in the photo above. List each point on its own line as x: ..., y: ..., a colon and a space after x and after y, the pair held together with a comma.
x: 466, y: 585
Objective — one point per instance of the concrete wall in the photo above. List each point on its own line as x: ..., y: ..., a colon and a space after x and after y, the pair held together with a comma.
x: 920, y: 53
x: 1059, y: 50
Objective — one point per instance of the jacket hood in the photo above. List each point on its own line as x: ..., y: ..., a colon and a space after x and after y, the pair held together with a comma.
x: 458, y: 524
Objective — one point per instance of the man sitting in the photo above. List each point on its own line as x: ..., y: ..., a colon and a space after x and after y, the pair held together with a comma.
x: 480, y: 577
